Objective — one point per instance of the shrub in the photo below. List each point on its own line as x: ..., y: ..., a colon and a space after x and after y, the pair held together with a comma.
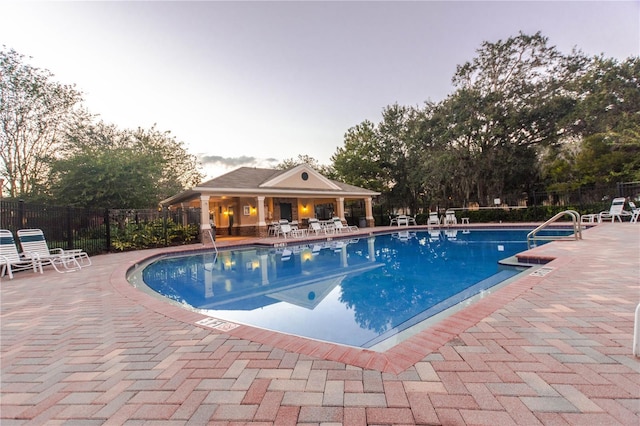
x: 152, y: 234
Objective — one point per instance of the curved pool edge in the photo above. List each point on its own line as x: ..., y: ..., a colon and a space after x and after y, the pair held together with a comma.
x: 395, y: 359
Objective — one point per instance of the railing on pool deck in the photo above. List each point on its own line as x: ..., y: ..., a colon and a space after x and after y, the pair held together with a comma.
x: 533, y: 236
x: 213, y: 239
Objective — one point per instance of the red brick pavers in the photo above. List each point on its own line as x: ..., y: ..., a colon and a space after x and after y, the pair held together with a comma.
x: 87, y: 348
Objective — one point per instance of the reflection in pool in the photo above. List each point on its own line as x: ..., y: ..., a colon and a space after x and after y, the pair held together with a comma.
x: 350, y: 291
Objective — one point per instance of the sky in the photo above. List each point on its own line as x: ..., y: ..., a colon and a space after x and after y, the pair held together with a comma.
x: 254, y: 83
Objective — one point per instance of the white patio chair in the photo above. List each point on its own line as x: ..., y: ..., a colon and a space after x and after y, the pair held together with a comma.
x: 284, y: 228
x: 316, y: 227
x: 35, y: 245
x: 11, y: 260
x: 635, y: 212
x: 433, y: 219
x: 615, y: 211
x: 450, y: 218
x: 339, y: 226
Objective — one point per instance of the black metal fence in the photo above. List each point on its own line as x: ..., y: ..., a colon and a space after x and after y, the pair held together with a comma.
x: 587, y: 195
x: 103, y: 230
x: 93, y: 230
x: 64, y: 227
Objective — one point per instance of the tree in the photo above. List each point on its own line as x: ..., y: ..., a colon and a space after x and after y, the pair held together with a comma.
x: 609, y: 97
x: 33, y: 113
x: 601, y: 140
x: 288, y: 163
x: 360, y: 161
x: 106, y: 167
x: 509, y: 104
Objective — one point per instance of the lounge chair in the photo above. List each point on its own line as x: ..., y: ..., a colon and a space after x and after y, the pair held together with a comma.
x: 316, y: 227
x: 450, y: 218
x: 284, y: 228
x: 11, y: 260
x: 433, y: 219
x: 339, y: 226
x: 402, y: 220
x: 35, y: 245
x: 635, y: 212
x: 615, y: 211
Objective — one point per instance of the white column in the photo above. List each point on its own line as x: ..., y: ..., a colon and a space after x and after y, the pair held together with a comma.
x: 340, y: 207
x: 183, y: 212
x: 204, y: 213
x: 368, y: 208
x: 260, y: 207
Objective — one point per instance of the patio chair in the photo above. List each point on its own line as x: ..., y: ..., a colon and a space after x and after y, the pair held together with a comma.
x: 402, y: 220
x: 635, y: 212
x: 34, y: 244
x: 316, y: 227
x: 615, y: 211
x: 272, y: 231
x: 433, y: 219
x: 11, y: 260
x: 339, y: 226
x: 450, y: 218
x: 284, y: 228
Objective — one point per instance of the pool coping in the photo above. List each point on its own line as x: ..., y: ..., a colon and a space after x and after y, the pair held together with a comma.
x: 394, y: 360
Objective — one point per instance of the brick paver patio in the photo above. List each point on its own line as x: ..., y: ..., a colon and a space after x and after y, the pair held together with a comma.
x: 87, y: 348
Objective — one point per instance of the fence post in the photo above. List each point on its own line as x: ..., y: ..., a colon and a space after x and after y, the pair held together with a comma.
x: 21, y: 214
x: 164, y: 225
x: 69, y: 229
x: 107, y: 223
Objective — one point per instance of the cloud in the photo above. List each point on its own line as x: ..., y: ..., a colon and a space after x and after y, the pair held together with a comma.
x: 229, y: 162
x: 215, y: 165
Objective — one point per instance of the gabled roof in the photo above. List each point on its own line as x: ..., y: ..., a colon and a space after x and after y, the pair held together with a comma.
x: 302, y: 180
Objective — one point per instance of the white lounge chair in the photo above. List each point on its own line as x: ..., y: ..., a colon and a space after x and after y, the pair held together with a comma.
x: 450, y: 218
x: 635, y: 212
x: 402, y: 220
x: 316, y: 227
x: 35, y: 245
x: 11, y: 260
x: 339, y: 226
x: 284, y: 228
x: 433, y: 219
x: 615, y: 211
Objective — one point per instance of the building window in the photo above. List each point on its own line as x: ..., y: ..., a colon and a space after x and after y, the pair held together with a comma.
x: 305, y: 176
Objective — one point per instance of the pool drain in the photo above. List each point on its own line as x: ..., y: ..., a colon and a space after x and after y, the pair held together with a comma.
x: 541, y: 272
x: 217, y: 324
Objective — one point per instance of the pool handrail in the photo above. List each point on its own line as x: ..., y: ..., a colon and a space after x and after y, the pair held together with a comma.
x: 213, y: 240
x: 532, y: 236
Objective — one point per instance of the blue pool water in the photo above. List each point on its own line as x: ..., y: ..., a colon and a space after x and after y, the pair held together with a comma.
x: 355, y: 291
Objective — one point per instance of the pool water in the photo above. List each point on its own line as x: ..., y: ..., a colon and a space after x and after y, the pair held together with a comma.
x: 357, y: 292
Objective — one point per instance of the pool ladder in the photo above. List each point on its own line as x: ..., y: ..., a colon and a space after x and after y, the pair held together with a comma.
x: 533, y: 236
x: 213, y: 240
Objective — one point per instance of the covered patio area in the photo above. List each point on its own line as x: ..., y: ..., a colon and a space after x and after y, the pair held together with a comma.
x: 245, y: 201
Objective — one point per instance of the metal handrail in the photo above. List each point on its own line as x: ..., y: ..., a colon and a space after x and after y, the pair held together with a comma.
x: 532, y: 236
x: 213, y: 240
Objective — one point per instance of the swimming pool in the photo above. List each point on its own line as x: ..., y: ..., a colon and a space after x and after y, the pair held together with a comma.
x: 356, y: 292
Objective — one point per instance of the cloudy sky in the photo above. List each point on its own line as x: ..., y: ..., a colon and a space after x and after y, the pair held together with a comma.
x: 253, y: 83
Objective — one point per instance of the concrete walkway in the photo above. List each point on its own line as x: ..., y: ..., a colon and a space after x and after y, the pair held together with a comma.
x: 551, y: 348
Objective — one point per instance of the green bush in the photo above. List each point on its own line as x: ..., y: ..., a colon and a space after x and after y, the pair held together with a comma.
x: 529, y: 214
x: 152, y: 234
